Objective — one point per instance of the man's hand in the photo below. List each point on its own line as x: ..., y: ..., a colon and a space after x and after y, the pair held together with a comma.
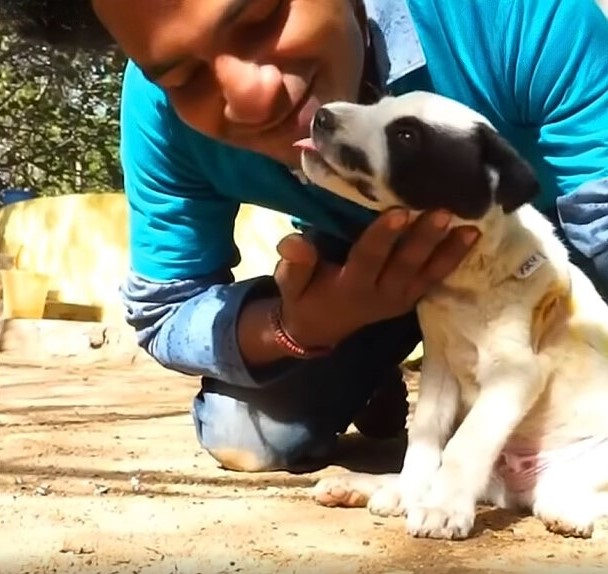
x: 391, y: 266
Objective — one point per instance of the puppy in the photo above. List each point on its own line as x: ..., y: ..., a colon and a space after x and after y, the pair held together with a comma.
x: 513, y: 399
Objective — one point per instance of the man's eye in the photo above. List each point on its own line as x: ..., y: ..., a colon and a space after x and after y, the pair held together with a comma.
x: 270, y: 10
x: 264, y: 14
x: 182, y: 78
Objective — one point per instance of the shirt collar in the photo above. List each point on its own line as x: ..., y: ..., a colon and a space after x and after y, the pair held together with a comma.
x: 396, y: 42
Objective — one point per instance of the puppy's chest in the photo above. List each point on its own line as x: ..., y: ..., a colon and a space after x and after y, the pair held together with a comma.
x: 456, y: 330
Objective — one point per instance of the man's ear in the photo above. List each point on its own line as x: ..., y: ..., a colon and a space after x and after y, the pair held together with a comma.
x: 517, y: 183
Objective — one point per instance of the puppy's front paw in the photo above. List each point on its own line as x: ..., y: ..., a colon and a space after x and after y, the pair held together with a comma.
x: 418, y: 474
x: 386, y: 502
x: 448, y: 517
x: 414, y: 487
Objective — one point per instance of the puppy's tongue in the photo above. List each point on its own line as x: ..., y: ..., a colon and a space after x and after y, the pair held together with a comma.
x: 305, y: 143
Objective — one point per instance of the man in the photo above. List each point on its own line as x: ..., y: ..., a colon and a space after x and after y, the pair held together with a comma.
x: 216, y: 94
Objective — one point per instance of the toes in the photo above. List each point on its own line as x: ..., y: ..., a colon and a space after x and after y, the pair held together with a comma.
x: 386, y: 502
x: 352, y: 490
x: 568, y: 518
x: 436, y: 523
x: 338, y: 492
x: 568, y: 529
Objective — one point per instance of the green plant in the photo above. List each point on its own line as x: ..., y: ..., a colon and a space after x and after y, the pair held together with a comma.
x: 59, y: 103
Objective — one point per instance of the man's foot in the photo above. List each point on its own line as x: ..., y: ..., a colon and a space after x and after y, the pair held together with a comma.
x: 385, y: 414
x: 352, y: 489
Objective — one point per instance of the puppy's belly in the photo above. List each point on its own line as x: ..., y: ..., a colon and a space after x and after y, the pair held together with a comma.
x: 521, y: 467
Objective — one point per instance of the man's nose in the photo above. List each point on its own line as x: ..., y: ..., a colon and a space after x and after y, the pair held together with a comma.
x: 325, y: 122
x: 251, y: 91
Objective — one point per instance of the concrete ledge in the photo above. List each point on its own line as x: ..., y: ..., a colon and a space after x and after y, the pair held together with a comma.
x: 86, y: 342
x: 82, y: 341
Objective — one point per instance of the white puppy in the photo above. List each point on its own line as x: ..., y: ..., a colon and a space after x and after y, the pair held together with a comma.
x: 513, y: 404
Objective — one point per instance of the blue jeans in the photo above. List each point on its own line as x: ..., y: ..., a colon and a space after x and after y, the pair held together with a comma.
x: 296, y: 421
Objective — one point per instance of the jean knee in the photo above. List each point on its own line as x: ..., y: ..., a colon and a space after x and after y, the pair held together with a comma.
x: 242, y: 438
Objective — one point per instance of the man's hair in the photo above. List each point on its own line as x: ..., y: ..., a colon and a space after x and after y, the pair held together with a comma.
x: 67, y: 23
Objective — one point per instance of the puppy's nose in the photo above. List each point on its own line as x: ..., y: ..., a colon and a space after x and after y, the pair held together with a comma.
x: 325, y: 121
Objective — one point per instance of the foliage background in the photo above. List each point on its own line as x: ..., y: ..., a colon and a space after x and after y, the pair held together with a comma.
x: 58, y: 117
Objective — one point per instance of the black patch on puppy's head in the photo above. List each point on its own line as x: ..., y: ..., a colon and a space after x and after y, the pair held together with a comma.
x: 431, y: 167
x: 354, y: 159
x: 517, y: 183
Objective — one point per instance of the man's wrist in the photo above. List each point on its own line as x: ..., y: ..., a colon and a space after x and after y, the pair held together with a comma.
x: 284, y: 339
x: 255, y: 334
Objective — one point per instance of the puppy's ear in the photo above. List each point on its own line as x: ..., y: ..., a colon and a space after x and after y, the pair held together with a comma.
x: 517, y: 183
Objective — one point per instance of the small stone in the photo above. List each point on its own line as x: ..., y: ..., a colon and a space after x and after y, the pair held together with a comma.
x: 101, y: 489
x: 135, y: 484
x: 43, y: 490
x: 76, y: 549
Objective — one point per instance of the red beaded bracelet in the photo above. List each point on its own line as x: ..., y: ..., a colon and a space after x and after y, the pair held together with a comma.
x: 284, y: 340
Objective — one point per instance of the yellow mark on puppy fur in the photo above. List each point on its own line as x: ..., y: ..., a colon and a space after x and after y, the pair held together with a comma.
x: 554, y: 307
x: 589, y: 321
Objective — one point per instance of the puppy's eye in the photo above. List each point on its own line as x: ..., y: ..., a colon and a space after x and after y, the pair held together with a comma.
x: 407, y: 135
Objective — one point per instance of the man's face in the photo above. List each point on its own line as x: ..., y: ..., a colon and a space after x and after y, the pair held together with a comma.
x: 248, y: 72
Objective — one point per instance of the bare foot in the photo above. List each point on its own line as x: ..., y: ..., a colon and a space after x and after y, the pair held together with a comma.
x: 351, y: 489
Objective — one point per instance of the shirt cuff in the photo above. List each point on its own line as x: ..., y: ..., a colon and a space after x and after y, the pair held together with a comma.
x: 583, y: 216
x: 190, y: 326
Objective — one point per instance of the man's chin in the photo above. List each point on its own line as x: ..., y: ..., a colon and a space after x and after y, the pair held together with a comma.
x: 280, y: 149
x: 287, y: 156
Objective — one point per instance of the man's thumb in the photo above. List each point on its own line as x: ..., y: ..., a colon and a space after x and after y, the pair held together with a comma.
x: 296, y: 266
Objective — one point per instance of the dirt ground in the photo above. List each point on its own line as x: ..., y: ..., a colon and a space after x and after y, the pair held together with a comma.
x: 100, y: 471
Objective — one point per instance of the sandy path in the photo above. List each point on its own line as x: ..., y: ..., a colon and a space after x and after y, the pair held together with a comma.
x: 100, y: 472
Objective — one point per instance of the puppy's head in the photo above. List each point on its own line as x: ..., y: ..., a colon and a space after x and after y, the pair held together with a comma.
x: 420, y: 150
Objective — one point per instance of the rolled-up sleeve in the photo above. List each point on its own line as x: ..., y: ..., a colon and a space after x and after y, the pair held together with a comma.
x: 190, y: 325
x: 584, y: 219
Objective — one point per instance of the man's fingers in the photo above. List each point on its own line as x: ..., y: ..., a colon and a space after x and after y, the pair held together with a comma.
x: 370, y: 253
x: 448, y: 255
x: 414, y: 250
x: 296, y: 266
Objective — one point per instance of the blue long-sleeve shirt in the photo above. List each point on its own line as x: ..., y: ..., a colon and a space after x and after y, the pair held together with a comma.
x: 538, y: 69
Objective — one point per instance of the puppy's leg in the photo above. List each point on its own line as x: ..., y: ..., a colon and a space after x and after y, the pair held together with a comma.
x: 353, y: 489
x: 510, y: 383
x: 388, y: 495
x: 571, y: 494
x: 432, y: 423
x: 497, y: 494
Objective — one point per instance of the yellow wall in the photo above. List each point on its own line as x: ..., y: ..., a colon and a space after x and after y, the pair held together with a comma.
x: 80, y: 241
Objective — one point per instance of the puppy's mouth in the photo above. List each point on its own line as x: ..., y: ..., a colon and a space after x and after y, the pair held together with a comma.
x: 315, y: 156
